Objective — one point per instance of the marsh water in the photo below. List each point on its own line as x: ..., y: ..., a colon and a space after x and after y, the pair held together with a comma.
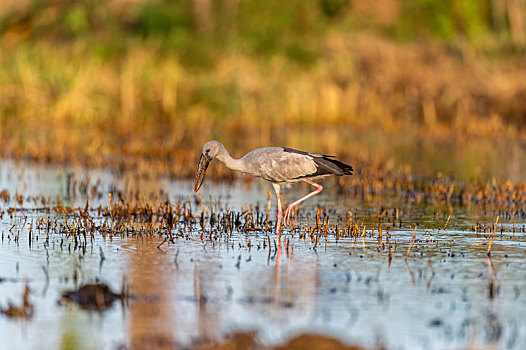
x: 196, y: 288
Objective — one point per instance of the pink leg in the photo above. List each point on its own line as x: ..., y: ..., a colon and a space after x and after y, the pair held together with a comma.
x: 280, y: 211
x: 280, y: 214
x: 319, y: 188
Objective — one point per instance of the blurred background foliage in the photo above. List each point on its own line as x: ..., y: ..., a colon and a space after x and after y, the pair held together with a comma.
x: 430, y: 85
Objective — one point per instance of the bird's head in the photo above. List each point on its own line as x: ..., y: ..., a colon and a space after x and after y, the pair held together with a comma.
x: 210, y: 150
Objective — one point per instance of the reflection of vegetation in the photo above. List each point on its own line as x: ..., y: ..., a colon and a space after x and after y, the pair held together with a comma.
x: 75, y: 331
x: 24, y: 310
x: 70, y: 341
x: 85, y: 82
x: 303, y: 341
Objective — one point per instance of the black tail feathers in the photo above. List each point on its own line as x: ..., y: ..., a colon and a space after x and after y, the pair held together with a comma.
x: 328, y: 165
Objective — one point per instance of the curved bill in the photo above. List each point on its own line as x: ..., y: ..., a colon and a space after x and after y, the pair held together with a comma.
x: 201, y: 171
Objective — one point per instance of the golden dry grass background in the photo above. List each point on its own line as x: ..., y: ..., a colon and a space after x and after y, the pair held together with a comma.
x: 118, y: 97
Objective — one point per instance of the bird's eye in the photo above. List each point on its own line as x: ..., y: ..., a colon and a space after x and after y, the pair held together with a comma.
x: 207, y: 151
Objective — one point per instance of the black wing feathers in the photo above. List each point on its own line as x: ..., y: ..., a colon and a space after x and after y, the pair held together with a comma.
x: 325, y: 164
x: 292, y: 150
x: 332, y: 166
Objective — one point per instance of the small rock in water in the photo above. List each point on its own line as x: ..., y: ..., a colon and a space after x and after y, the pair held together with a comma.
x: 436, y: 322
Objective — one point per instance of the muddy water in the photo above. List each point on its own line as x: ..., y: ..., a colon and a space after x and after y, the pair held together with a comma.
x: 447, y: 294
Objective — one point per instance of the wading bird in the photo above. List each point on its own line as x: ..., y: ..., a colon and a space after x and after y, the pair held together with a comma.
x: 279, y: 165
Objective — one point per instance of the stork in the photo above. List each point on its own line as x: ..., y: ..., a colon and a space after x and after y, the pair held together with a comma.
x: 279, y: 165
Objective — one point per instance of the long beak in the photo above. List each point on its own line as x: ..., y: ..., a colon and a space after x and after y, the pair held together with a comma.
x: 201, y: 171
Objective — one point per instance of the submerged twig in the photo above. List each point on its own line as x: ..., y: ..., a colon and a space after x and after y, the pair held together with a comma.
x: 410, y: 244
x: 492, y: 236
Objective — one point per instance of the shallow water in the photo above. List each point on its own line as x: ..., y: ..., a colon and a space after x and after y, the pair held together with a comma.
x: 447, y: 295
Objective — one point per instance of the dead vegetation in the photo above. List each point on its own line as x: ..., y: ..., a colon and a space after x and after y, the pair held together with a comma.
x: 147, y: 108
x: 363, y: 84
x: 24, y: 310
